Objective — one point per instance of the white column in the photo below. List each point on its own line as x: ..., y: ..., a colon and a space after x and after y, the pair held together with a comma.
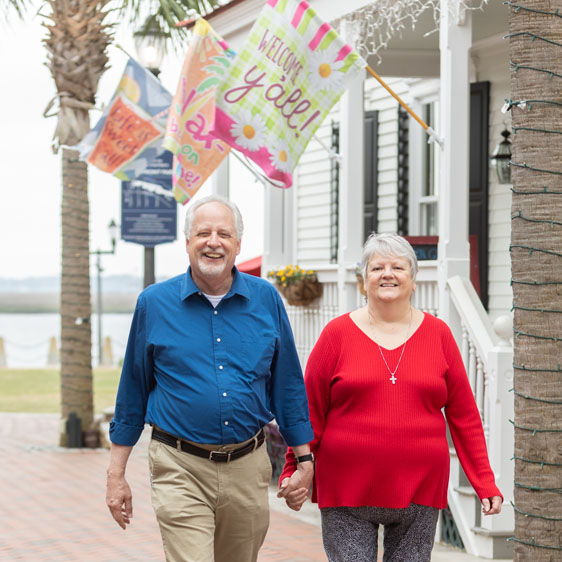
x: 221, y: 178
x: 350, y: 191
x: 455, y: 39
x: 278, y: 227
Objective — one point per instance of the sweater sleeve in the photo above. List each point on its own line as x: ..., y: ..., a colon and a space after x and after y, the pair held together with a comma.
x: 465, y: 424
x: 318, y: 378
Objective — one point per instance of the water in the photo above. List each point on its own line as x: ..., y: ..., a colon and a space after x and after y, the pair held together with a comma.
x: 27, y: 336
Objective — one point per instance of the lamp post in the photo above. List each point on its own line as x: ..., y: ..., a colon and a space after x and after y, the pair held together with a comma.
x: 150, y: 44
x: 112, y: 227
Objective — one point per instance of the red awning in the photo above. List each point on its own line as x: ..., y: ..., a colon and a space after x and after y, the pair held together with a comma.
x: 252, y: 267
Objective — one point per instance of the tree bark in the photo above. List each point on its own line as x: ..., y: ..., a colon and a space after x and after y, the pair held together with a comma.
x: 536, y: 260
x: 76, y: 332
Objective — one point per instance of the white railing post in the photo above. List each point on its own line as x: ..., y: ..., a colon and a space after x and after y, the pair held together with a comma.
x: 501, y: 439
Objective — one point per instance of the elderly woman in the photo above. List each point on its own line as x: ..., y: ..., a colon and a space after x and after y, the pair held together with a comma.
x: 378, y: 382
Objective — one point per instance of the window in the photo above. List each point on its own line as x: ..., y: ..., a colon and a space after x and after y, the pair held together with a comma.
x: 429, y: 199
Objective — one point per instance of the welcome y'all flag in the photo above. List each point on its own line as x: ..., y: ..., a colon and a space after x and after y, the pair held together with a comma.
x: 196, y: 153
x: 127, y: 140
x: 292, y: 69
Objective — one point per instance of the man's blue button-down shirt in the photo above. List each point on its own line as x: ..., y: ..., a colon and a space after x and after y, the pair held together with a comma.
x: 211, y: 375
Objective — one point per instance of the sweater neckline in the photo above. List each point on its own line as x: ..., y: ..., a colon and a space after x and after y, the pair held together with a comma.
x: 381, y: 346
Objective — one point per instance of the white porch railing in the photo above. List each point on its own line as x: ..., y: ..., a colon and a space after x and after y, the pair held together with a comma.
x: 489, y: 363
x: 339, y: 288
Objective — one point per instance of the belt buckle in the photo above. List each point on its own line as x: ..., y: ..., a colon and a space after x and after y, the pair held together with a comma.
x: 223, y: 456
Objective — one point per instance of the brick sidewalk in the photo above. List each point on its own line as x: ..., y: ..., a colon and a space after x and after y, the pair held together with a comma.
x: 53, y: 504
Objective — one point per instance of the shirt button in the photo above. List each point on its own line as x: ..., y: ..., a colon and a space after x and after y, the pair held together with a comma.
x: 224, y: 393
x: 220, y: 367
x: 215, y: 312
x: 225, y: 423
x: 218, y: 339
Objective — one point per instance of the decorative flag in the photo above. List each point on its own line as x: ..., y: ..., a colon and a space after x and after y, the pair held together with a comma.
x: 291, y: 71
x: 196, y: 153
x: 128, y: 137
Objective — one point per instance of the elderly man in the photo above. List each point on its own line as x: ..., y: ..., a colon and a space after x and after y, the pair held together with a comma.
x: 210, y: 360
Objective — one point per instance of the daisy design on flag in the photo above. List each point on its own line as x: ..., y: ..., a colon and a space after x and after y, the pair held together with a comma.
x: 280, y: 156
x: 324, y: 70
x: 248, y: 130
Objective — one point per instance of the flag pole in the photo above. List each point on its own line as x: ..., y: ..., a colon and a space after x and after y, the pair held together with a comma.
x: 433, y: 137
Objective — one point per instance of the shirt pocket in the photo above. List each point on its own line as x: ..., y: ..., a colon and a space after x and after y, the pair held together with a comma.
x: 257, y: 354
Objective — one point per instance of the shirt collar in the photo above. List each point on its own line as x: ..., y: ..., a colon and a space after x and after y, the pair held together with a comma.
x: 239, y: 285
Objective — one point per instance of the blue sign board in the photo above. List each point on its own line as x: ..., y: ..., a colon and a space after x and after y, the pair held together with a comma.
x: 147, y: 217
x: 158, y: 170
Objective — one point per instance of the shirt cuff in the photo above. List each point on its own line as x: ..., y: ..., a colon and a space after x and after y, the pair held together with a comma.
x: 299, y: 434
x: 123, y: 434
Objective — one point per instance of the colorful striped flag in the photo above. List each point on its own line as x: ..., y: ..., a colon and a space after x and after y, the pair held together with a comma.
x: 196, y: 153
x: 128, y: 136
x: 291, y: 71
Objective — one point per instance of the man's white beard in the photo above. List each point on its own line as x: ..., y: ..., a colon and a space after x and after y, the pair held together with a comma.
x: 212, y: 269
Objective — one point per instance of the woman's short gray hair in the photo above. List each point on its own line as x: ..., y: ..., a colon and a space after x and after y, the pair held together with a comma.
x: 190, y: 213
x: 388, y: 245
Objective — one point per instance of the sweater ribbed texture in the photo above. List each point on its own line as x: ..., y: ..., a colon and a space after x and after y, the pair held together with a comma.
x: 383, y: 444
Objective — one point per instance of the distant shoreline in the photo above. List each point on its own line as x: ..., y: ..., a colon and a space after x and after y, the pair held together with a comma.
x: 49, y: 303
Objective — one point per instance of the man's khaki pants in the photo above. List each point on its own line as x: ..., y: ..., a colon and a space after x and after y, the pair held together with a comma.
x: 208, y: 511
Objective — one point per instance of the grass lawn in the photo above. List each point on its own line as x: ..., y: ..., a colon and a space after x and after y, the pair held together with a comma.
x: 38, y: 390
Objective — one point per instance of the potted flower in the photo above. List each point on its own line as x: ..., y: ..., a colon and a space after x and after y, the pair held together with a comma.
x: 299, y: 286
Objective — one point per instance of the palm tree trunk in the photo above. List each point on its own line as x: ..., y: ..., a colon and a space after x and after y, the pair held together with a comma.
x: 536, y: 259
x: 76, y: 332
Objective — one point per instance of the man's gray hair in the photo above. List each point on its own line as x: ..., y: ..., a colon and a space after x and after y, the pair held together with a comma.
x: 388, y: 245
x: 192, y: 207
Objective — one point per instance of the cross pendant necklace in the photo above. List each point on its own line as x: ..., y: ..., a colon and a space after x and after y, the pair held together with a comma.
x: 392, y: 378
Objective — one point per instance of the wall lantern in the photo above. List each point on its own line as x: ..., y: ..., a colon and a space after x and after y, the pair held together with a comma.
x: 501, y: 158
x: 150, y: 44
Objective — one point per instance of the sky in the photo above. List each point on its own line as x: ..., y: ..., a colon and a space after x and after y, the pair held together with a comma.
x: 30, y: 174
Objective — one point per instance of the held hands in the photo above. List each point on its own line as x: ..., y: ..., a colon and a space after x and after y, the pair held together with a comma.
x: 295, y: 489
x: 491, y: 506
x: 119, y: 499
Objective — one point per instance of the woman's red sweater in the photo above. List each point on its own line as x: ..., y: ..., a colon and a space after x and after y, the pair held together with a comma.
x: 383, y: 444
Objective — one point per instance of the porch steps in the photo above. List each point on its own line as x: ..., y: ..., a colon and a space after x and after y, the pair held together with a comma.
x: 467, y: 512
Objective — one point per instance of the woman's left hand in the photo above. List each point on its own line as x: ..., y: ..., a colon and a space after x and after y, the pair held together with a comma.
x: 491, y: 506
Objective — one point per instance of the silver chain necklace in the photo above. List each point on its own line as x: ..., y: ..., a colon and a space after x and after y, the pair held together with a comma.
x: 392, y: 373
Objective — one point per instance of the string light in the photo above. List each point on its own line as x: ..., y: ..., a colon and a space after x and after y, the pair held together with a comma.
x: 525, y: 165
x: 536, y: 282
x: 537, y: 130
x: 517, y: 67
x: 520, y: 215
x: 537, y: 369
x: 545, y: 191
x: 527, y: 103
x: 531, y: 250
x: 533, y: 543
x: 527, y: 514
x: 537, y: 488
x: 532, y: 461
x: 529, y: 335
x: 534, y: 430
x: 526, y: 396
x: 533, y: 37
x: 371, y: 28
x: 520, y: 7
x: 531, y: 309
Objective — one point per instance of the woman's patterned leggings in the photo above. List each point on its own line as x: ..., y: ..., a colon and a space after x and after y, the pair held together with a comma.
x: 350, y: 534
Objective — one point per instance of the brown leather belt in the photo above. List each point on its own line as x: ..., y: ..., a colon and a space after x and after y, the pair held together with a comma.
x: 215, y: 456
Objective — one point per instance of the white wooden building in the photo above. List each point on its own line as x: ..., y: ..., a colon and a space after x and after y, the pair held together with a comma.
x: 389, y: 179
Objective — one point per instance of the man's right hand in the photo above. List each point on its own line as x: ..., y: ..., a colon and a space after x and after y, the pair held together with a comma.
x: 119, y: 499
